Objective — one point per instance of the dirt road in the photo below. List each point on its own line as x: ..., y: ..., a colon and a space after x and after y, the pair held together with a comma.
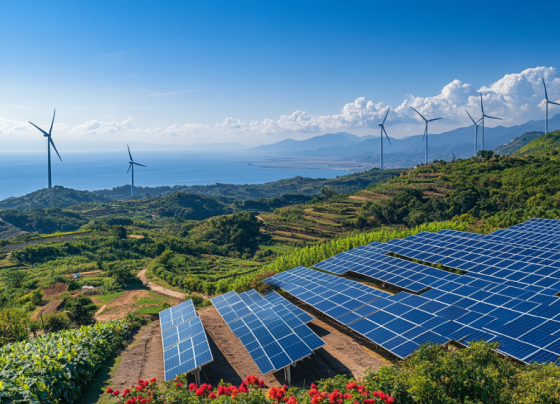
x: 159, y: 289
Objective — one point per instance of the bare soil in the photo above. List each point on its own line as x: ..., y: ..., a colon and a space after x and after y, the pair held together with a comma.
x: 55, y: 289
x: 159, y: 289
x: 120, y: 306
x: 143, y: 359
x: 50, y: 307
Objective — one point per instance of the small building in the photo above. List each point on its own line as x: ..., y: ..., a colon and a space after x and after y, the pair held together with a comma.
x: 88, y: 288
x: 76, y: 276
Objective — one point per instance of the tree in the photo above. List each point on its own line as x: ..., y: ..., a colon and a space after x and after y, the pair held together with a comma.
x: 119, y: 231
x: 37, y: 297
x: 81, y: 310
x: 15, y: 278
x: 485, y: 154
x: 328, y: 192
x: 13, y: 325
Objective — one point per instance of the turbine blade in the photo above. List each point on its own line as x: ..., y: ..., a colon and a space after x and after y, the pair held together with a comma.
x: 52, y: 123
x: 129, y: 153
x: 52, y: 143
x: 129, y: 165
x: 481, y: 105
x: 425, y: 131
x: 552, y: 102
x: 435, y: 119
x: 44, y: 133
x: 386, y: 135
x: 491, y: 117
x: 419, y: 114
x: 138, y: 164
x: 545, y: 93
x: 470, y: 117
x: 388, y: 109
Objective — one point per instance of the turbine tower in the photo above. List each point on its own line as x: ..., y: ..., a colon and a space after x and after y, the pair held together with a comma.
x: 482, y: 119
x: 131, y: 164
x: 546, y: 102
x: 426, y: 121
x: 383, y: 131
x: 49, y: 143
x: 475, y: 131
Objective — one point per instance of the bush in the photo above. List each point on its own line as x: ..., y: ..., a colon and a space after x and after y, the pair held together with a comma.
x: 81, y: 310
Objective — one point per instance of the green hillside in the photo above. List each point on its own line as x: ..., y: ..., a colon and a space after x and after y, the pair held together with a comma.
x: 296, y: 185
x: 518, y: 143
x: 56, y: 197
x: 549, y: 143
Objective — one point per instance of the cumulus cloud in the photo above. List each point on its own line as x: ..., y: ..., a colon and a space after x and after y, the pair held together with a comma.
x: 516, y: 98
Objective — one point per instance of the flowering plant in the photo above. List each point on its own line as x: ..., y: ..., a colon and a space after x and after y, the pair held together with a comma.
x: 252, y: 390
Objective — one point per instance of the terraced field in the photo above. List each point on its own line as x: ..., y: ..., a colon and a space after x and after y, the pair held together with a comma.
x: 310, y: 224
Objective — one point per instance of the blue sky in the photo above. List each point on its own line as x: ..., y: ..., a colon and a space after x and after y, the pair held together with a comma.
x: 175, y: 71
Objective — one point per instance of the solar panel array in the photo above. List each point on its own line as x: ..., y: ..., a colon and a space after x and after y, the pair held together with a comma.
x: 185, y: 345
x: 273, y: 330
x: 506, y: 294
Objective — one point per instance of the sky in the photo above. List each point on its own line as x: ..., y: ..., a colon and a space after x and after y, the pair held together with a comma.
x: 256, y: 72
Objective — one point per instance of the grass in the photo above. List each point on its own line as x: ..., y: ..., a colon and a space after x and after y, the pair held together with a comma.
x: 149, y: 310
x: 323, y: 222
x: 95, y: 391
x: 107, y: 297
x: 323, y: 214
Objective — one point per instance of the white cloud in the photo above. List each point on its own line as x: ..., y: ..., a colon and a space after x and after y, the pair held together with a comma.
x: 515, y: 98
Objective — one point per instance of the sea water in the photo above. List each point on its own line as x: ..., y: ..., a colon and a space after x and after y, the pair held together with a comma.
x: 22, y: 173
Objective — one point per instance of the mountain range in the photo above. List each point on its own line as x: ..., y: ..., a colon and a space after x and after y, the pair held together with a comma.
x: 403, y: 152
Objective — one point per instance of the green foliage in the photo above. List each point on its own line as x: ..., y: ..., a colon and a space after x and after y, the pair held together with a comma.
x: 45, y: 221
x: 187, y: 206
x: 55, y: 368
x: 269, y: 204
x: 118, y: 231
x: 542, y: 145
x: 518, y: 142
x: 56, y: 197
x: 476, y: 374
x: 13, y: 326
x: 238, y: 232
x: 81, y: 310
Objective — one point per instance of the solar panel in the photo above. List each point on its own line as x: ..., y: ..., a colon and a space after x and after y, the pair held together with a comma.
x: 505, y: 294
x: 272, y: 329
x: 185, y: 344
x: 176, y: 315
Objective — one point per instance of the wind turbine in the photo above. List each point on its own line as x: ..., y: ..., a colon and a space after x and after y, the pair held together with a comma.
x: 547, y: 102
x: 482, y: 119
x: 131, y: 164
x: 382, y: 131
x: 475, y: 131
x: 425, y: 134
x: 49, y: 142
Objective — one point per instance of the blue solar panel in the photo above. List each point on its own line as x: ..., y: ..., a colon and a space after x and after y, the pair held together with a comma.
x: 176, y: 315
x: 185, y: 345
x: 507, y: 293
x: 272, y: 329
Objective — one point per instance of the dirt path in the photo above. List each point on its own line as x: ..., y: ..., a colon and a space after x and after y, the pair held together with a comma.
x: 142, y: 359
x: 157, y: 288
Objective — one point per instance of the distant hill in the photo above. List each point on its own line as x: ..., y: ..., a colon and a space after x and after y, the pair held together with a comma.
x: 288, y: 146
x: 60, y: 197
x: 56, y: 197
x: 518, y: 142
x: 403, y: 152
x: 549, y: 143
x: 296, y: 185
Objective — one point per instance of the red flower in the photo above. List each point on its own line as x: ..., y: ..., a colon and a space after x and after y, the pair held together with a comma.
x: 389, y: 399
x: 109, y: 390
x: 351, y: 385
x: 192, y: 387
x: 212, y: 395
x: 312, y: 385
x: 116, y: 392
x: 125, y: 392
x: 347, y: 396
x: 178, y: 384
x: 153, y: 380
x: 276, y: 394
x: 139, y: 388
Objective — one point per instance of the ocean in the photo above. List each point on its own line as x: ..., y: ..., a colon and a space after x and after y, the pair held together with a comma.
x: 23, y: 173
